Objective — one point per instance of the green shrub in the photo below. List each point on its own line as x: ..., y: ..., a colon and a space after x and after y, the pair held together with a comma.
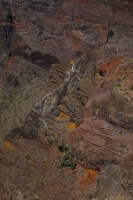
x: 120, y: 132
x: 28, y: 157
x: 118, y: 85
x: 131, y: 88
x: 90, y: 196
x: 25, y: 9
x: 123, y: 145
x: 62, y: 147
x: 68, y: 161
x: 110, y: 34
x: 50, y: 142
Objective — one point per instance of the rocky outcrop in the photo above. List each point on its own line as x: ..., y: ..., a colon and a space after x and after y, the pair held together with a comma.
x: 116, y: 181
x: 75, y: 30
x: 104, y: 134
x: 64, y: 79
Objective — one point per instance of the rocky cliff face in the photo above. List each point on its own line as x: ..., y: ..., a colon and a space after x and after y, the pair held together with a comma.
x: 66, y: 81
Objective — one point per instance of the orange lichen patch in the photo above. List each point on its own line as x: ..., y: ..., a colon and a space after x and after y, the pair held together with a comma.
x: 111, y: 64
x: 90, y: 177
x: 9, y: 146
x: 63, y: 116
x: 71, y: 125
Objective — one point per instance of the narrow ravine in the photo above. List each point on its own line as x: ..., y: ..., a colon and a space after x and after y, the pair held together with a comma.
x: 49, y: 105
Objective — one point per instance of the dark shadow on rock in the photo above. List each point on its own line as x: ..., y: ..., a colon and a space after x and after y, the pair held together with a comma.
x: 13, y: 81
x: 43, y: 60
x: 27, y: 131
x: 15, y: 133
x: 102, y: 72
x: 36, y: 57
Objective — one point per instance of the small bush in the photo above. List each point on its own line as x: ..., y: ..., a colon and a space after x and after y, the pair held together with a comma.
x: 28, y: 157
x: 131, y: 88
x: 123, y: 145
x: 25, y: 9
x: 118, y: 85
x: 68, y: 161
x: 50, y: 142
x: 110, y: 34
x: 90, y: 196
x: 62, y: 147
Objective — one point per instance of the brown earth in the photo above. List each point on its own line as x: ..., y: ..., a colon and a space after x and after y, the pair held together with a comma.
x: 66, y: 93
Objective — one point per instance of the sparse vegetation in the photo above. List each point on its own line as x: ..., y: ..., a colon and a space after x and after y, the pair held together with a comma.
x: 62, y: 147
x: 11, y: 198
x: 120, y: 132
x: 50, y: 142
x: 89, y: 196
x: 123, y: 145
x: 131, y: 88
x: 1, y: 185
x: 118, y: 85
x: 28, y: 157
x: 68, y: 159
x: 80, y: 139
x: 118, y: 198
x: 25, y: 9
x: 110, y: 34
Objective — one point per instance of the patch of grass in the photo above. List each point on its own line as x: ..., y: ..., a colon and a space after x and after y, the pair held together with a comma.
x: 131, y: 88
x: 81, y: 139
x: 50, y: 142
x: 25, y: 196
x: 118, y: 85
x: 118, y: 198
x: 62, y: 147
x: 68, y: 160
x: 106, y: 142
x: 1, y: 185
x: 89, y: 196
x: 123, y: 145
x: 110, y: 34
x: 28, y: 157
x: 25, y: 9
